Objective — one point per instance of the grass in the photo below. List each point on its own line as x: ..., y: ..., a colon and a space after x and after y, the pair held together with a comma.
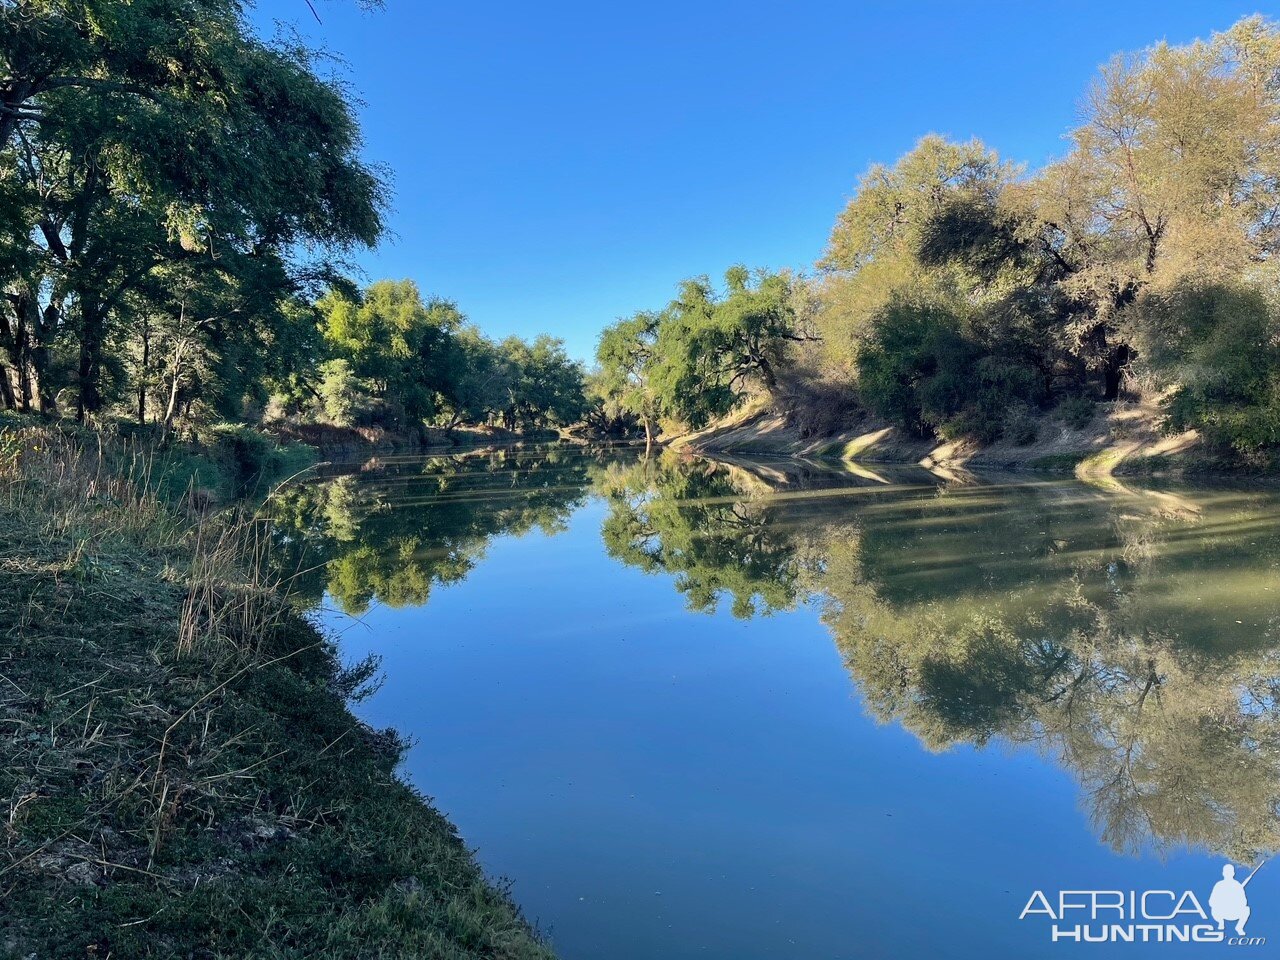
x: 1063, y: 462
x: 182, y: 775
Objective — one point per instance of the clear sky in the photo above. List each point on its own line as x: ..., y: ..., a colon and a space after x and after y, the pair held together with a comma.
x: 558, y: 165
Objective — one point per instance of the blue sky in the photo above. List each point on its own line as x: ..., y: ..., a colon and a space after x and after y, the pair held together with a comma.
x: 558, y: 165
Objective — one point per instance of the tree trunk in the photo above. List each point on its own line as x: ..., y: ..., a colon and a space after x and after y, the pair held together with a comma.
x: 767, y: 376
x: 41, y: 358
x: 45, y: 401
x: 142, y: 373
x: 172, y: 407
x: 22, y: 341
x: 16, y: 337
x: 1113, y: 375
x: 11, y: 348
x: 175, y: 373
x: 6, y: 389
x: 89, y: 369
x: 648, y: 434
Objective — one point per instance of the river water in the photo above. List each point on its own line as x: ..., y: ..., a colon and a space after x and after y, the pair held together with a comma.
x: 783, y: 710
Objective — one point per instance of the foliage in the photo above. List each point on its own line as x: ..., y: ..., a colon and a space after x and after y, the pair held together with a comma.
x: 163, y: 166
x: 1054, y: 288
x: 624, y: 363
x: 697, y: 359
x: 1218, y: 346
x: 389, y: 340
x: 544, y: 387
x: 924, y: 368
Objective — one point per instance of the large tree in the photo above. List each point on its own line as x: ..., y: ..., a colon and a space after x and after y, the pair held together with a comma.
x: 624, y: 361
x: 163, y: 132
x: 1174, y: 174
x: 711, y: 347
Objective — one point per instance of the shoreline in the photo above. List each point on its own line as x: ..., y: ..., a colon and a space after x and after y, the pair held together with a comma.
x: 1124, y: 441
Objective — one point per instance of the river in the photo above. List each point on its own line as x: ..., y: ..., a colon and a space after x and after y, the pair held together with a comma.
x: 781, y: 709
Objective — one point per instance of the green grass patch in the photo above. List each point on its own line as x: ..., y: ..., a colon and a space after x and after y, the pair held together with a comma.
x: 1064, y: 462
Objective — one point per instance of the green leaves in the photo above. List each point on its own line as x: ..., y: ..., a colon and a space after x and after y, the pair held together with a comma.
x: 406, y: 362
x: 697, y: 359
x: 149, y: 139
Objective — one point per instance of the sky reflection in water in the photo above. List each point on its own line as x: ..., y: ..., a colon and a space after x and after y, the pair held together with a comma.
x: 629, y: 683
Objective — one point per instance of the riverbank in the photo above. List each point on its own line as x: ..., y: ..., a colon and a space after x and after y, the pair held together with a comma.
x: 182, y: 774
x: 332, y: 442
x: 1123, y: 439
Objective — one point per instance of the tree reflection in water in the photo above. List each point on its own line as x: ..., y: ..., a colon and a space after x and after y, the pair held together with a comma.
x: 1128, y: 634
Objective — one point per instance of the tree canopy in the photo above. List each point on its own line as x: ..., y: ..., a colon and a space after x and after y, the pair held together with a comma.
x: 960, y: 292
x: 180, y: 198
x: 162, y: 161
x: 700, y: 356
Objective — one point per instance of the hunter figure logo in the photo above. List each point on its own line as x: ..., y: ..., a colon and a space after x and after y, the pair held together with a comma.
x: 1229, y: 901
x: 1148, y: 916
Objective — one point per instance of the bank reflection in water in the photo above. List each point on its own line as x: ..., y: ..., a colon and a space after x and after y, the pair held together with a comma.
x: 393, y: 528
x: 1129, y: 634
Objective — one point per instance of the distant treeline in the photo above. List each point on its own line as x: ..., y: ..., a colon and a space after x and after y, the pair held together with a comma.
x: 383, y: 356
x: 963, y: 297
x: 179, y: 199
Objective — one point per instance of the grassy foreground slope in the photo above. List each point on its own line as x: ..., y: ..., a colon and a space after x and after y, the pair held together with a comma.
x: 179, y: 770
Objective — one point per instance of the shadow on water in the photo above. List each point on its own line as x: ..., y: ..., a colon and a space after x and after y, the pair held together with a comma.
x: 1128, y: 634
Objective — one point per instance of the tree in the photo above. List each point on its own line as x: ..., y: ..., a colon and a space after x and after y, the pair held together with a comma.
x: 544, y: 386
x: 394, y: 342
x: 1173, y: 173
x: 711, y: 348
x: 874, y: 251
x: 160, y: 133
x: 624, y: 359
x: 476, y: 377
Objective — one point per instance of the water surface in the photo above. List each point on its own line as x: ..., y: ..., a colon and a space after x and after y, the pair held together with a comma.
x: 766, y: 710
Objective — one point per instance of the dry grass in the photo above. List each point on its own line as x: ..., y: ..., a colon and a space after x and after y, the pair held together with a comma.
x: 179, y: 772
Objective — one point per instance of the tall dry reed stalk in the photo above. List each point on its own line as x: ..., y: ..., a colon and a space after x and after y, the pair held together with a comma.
x: 88, y: 507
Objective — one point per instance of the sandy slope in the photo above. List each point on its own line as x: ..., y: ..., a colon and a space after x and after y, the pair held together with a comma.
x: 1123, y: 438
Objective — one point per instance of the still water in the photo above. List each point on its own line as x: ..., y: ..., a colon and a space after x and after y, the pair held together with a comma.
x: 779, y: 710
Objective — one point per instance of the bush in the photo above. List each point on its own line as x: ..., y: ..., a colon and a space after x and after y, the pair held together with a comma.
x: 929, y: 371
x: 1220, y: 345
x: 1020, y: 427
x: 1077, y: 412
x: 250, y: 460
x: 972, y: 424
x: 1247, y: 430
x: 907, y: 373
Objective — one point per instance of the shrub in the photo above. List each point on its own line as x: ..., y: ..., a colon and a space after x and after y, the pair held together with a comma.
x: 1220, y: 345
x: 907, y: 372
x: 249, y: 459
x: 1020, y: 427
x: 927, y: 369
x: 1076, y: 412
